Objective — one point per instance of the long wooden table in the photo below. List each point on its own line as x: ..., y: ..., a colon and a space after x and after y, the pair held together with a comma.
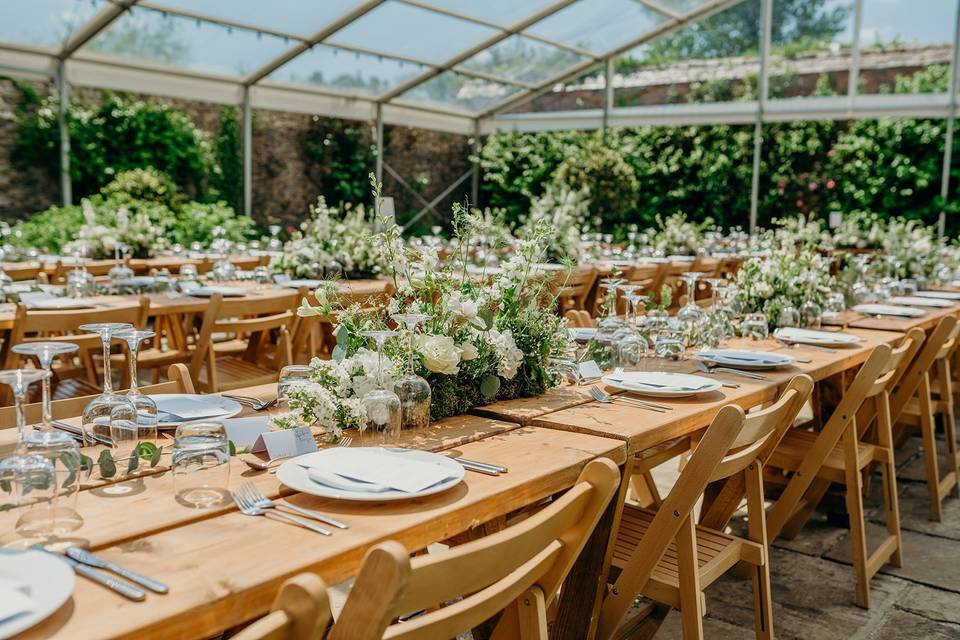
x: 224, y: 568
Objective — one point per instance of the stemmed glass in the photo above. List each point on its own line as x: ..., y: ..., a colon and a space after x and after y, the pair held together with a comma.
x: 146, y: 416
x: 96, y: 415
x: 274, y: 244
x: 45, y: 352
x: 413, y: 390
x: 383, y: 406
x: 119, y: 271
x: 715, y: 285
x: 29, y: 480
x: 691, y: 313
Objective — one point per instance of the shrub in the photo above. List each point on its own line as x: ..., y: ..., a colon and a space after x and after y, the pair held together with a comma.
x: 606, y: 177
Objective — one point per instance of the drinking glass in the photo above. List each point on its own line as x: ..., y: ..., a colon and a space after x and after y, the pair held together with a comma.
x: 383, y: 406
x: 119, y: 271
x: 789, y: 317
x: 811, y: 315
x: 755, y: 326
x: 201, y: 465
x: 412, y: 389
x: 274, y: 244
x: 146, y: 407
x: 163, y: 283
x: 96, y: 415
x: 223, y: 270
x: 291, y: 376
x: 835, y: 305
x: 45, y: 352
x: 28, y: 482
x: 631, y: 352
x: 261, y: 275
x: 188, y: 273
x: 60, y: 517
x: 670, y: 344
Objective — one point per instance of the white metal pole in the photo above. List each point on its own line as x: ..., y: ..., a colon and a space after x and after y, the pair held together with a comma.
x: 853, y: 76
x: 63, y: 89
x: 379, y: 142
x: 607, y: 91
x: 766, y: 26
x: 475, y: 179
x: 951, y: 117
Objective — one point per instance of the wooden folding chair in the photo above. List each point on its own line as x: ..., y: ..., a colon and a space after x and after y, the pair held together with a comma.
x: 935, y: 397
x: 579, y: 319
x: 574, y: 287
x: 179, y: 382
x: 63, y: 326
x: 517, y: 571
x: 96, y: 268
x: 251, y: 321
x: 857, y: 435
x: 663, y: 555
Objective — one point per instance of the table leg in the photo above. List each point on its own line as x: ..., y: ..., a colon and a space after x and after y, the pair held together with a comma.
x: 586, y: 584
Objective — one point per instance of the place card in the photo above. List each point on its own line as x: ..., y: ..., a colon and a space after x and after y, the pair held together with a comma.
x: 244, y: 432
x: 589, y: 371
x: 285, y: 443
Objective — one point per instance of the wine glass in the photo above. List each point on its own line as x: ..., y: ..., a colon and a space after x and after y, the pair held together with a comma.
x: 96, y: 415
x: 383, y: 406
x: 27, y: 481
x: 274, y: 244
x: 691, y: 313
x: 413, y: 390
x: 45, y: 352
x: 715, y: 285
x: 119, y: 271
x: 147, y: 411
x: 628, y: 291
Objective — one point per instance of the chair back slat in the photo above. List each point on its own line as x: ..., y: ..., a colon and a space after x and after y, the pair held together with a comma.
x: 906, y: 386
x: 489, y: 574
x: 301, y: 611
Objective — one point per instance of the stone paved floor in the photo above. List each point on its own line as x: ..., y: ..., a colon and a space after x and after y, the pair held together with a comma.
x: 813, y: 580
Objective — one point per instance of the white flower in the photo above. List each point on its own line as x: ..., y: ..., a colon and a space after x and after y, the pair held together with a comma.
x: 510, y: 357
x: 440, y: 353
x: 468, y: 351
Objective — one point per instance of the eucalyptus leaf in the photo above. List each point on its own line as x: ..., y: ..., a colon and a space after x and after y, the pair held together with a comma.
x: 486, y: 314
x: 232, y: 447
x: 489, y: 386
x: 146, y: 450
x: 156, y: 457
x: 6, y: 486
x: 133, y: 462
x: 86, y: 463
x: 339, y: 353
x: 108, y: 466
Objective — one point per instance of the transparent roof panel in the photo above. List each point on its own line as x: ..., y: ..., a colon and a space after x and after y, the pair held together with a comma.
x: 680, y: 6
x: 523, y: 59
x: 599, y: 26
x: 503, y: 12
x: 44, y: 23
x: 288, y: 16
x: 328, y: 67
x: 450, y: 89
x: 409, y: 31
x: 196, y: 45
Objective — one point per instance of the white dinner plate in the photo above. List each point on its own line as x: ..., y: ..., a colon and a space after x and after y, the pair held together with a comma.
x: 919, y: 301
x: 889, y: 310
x: 661, y: 383
x: 582, y: 334
x: 193, y: 407
x: 58, y: 304
x: 295, y: 476
x: 811, y: 336
x: 305, y: 282
x: 47, y: 580
x: 943, y: 295
x: 226, y: 292
x: 137, y: 281
x: 742, y: 359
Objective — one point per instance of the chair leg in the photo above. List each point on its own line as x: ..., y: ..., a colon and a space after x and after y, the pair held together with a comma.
x: 757, y: 524
x: 888, y: 471
x: 691, y: 593
x: 944, y: 373
x: 814, y: 494
x: 858, y: 534
x: 532, y: 610
x: 929, y: 435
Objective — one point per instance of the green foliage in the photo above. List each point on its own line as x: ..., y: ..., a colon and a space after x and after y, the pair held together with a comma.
x: 118, y: 135
x: 605, y: 175
x: 340, y: 155
x: 227, y: 177
x: 50, y: 229
x: 148, y: 185
x: 195, y: 222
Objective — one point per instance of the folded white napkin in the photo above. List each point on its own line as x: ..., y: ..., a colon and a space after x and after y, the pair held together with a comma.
x: 14, y: 598
x: 376, y: 470
x: 188, y: 407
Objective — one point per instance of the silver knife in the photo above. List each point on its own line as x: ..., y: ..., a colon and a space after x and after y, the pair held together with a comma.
x: 73, y: 429
x: 492, y: 467
x: 84, y: 556
x: 477, y: 468
x: 121, y: 587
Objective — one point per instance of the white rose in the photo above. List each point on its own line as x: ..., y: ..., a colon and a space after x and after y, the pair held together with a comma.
x: 468, y: 351
x: 440, y: 353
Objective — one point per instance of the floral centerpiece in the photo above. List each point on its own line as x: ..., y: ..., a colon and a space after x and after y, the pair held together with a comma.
x: 768, y: 284
x: 565, y: 212
x: 678, y: 235
x: 859, y: 230
x: 909, y: 249
x: 334, y: 240
x: 105, y: 229
x: 482, y: 340
x: 799, y: 231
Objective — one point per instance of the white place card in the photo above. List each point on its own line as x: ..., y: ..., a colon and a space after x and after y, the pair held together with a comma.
x: 589, y: 370
x: 285, y: 443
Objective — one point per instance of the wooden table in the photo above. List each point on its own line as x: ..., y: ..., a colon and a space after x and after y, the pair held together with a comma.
x: 890, y: 323
x: 224, y: 568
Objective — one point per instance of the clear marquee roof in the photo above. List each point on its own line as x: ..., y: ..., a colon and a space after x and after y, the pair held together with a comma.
x: 439, y: 64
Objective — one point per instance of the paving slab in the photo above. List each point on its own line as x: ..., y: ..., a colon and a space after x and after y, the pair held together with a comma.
x: 928, y: 560
x: 934, y: 604
x: 915, y: 513
x: 903, y: 626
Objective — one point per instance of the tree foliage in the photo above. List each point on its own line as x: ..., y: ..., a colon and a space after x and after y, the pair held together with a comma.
x: 340, y: 156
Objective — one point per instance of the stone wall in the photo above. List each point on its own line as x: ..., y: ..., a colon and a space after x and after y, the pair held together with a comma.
x: 283, y: 183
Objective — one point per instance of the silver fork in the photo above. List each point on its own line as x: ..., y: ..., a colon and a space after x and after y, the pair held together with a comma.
x: 256, y: 497
x: 601, y: 396
x: 249, y: 509
x: 254, y: 403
